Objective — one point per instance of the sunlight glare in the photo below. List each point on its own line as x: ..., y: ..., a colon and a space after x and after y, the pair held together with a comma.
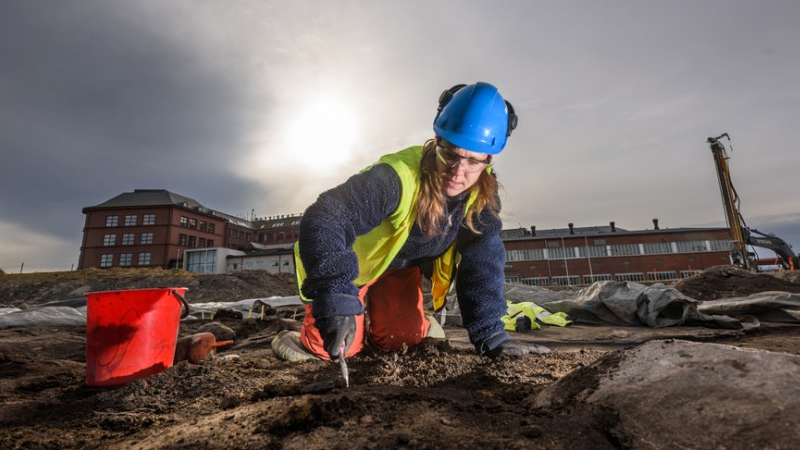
x: 323, y: 134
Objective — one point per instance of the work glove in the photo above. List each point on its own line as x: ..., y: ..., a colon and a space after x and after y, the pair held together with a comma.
x: 514, y: 348
x: 336, y: 332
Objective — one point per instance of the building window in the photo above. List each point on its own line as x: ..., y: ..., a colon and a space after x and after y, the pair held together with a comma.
x: 148, y: 219
x: 528, y: 254
x: 595, y: 251
x: 625, y: 250
x: 127, y: 238
x: 193, y: 224
x: 109, y: 240
x: 112, y: 221
x: 535, y: 281
x: 572, y: 280
x: 147, y: 238
x: 192, y: 241
x: 632, y: 276
x: 201, y: 261
x: 589, y: 279
x: 561, y: 253
x: 203, y: 226
x: 125, y: 259
x: 144, y: 259
x: 211, y: 228
x: 688, y: 273
x: 654, y: 248
x: 662, y: 275
x: 691, y: 246
x: 184, y: 221
x: 720, y: 246
x: 210, y: 243
x: 106, y: 260
x: 130, y: 221
x: 202, y: 242
x: 182, y: 240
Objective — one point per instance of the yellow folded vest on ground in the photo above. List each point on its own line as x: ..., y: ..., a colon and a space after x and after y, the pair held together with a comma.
x: 525, y: 316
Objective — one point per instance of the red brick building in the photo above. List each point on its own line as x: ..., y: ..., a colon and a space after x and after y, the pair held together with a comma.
x: 152, y: 228
x: 579, y: 256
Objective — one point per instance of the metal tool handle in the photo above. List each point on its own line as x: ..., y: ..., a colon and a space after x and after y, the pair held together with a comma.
x: 184, y: 304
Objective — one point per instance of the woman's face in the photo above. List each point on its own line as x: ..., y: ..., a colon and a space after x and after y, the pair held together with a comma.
x: 459, y: 168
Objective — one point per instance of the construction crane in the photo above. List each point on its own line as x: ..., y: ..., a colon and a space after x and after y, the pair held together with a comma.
x: 741, y: 234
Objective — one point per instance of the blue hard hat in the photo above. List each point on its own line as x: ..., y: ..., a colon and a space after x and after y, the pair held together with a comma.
x: 475, y: 117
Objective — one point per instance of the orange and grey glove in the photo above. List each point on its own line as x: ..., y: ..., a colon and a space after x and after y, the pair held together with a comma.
x: 501, y: 344
x: 336, y: 332
x: 514, y: 348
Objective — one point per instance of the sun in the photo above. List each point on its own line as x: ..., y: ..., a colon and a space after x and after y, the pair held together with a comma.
x: 322, y: 134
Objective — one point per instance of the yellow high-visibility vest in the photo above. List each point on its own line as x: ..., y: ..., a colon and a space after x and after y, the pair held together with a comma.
x: 376, y: 249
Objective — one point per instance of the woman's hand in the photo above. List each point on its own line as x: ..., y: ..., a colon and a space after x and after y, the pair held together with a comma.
x: 515, y: 348
x: 337, y: 332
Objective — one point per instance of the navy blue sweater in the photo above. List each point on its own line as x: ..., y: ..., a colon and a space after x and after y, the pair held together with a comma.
x: 329, y: 228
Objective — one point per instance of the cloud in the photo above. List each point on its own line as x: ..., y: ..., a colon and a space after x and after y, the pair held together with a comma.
x: 97, y: 102
x: 615, y: 102
x: 35, y: 252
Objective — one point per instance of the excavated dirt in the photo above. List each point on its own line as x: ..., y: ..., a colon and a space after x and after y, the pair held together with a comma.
x: 430, y: 396
x: 728, y: 281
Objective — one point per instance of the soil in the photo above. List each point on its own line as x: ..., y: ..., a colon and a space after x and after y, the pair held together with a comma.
x: 728, y: 281
x: 431, y: 396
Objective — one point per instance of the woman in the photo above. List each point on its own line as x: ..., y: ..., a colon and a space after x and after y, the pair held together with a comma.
x: 364, y: 245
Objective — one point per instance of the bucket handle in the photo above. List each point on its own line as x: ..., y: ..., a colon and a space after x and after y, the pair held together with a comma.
x: 184, y: 304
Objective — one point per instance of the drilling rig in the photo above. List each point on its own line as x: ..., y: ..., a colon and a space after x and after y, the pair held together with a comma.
x: 741, y: 234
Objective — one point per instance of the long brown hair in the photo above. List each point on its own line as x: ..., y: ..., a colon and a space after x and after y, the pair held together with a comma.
x: 431, y: 198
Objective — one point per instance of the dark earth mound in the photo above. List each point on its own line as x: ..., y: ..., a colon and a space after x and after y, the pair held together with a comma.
x: 728, y: 281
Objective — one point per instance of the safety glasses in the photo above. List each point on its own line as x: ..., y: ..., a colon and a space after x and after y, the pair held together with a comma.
x: 452, y: 159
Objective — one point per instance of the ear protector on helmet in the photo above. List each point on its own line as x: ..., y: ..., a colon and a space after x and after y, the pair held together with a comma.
x: 447, y: 95
x: 512, y: 118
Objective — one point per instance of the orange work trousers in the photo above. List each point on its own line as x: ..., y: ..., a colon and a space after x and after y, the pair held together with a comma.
x: 393, y: 315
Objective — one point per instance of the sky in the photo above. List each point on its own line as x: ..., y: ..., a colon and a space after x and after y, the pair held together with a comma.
x: 257, y: 106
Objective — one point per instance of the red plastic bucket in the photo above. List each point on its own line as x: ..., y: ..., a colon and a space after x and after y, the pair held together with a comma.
x: 131, y: 334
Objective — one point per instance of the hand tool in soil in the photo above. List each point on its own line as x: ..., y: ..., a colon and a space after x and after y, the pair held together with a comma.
x: 343, y: 366
x: 197, y: 347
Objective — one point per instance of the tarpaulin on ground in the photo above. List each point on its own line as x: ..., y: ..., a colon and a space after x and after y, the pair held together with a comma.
x: 73, y: 311
x: 251, y: 307
x: 770, y: 306
x: 43, y: 317
x: 602, y: 303
x: 633, y: 304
